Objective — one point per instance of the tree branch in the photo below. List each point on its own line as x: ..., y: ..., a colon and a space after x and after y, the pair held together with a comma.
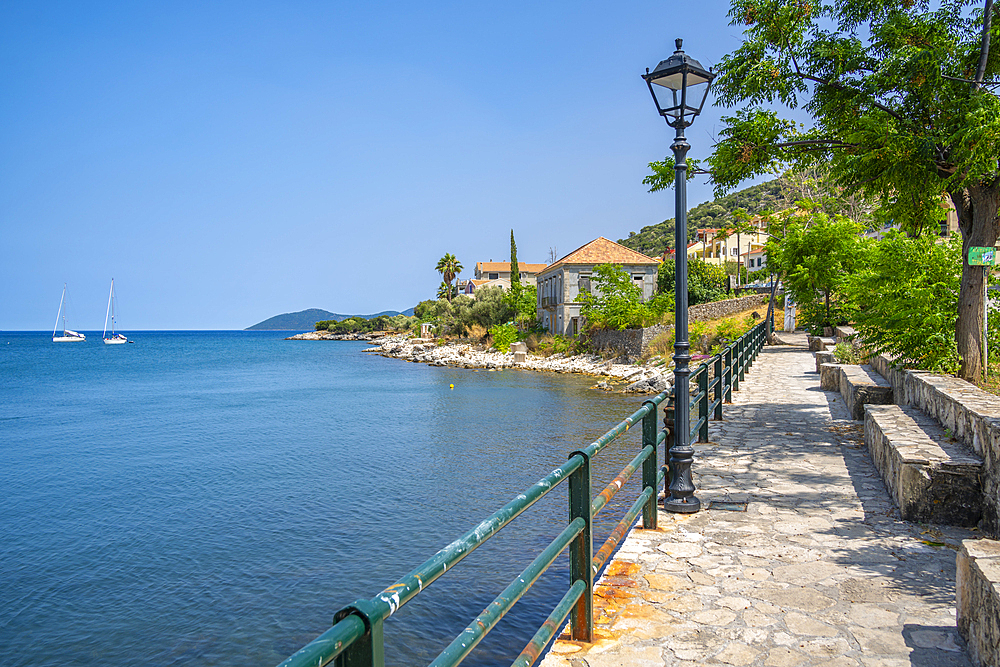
x: 839, y: 86
x: 984, y: 51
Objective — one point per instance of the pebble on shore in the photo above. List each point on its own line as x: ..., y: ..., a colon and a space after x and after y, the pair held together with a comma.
x: 639, y: 379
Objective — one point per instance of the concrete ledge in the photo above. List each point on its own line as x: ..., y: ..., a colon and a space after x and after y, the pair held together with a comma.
x: 861, y: 386
x: 818, y: 343
x: 823, y: 358
x: 829, y: 377
x: 932, y: 478
x: 843, y: 333
x: 972, y: 416
x: 977, y: 582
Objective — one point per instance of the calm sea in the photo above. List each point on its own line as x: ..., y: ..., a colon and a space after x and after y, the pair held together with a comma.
x: 213, y: 498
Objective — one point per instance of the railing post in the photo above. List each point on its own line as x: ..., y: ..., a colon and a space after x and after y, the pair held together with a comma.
x: 727, y: 371
x: 734, y: 371
x: 649, y: 467
x: 703, y: 404
x: 743, y: 355
x: 369, y: 650
x: 719, y: 387
x: 681, y: 496
x: 581, y: 551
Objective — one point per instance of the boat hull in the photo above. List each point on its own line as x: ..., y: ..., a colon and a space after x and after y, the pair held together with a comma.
x: 115, y: 341
x: 67, y: 339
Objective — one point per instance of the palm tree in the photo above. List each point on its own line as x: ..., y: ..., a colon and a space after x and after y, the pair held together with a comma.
x: 449, y: 267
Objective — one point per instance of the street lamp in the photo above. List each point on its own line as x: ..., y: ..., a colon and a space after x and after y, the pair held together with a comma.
x: 680, y: 72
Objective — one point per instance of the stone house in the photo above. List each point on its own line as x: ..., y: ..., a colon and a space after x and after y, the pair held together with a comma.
x: 560, y: 283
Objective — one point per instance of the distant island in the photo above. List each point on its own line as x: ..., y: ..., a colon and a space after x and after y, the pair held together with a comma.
x: 305, y: 320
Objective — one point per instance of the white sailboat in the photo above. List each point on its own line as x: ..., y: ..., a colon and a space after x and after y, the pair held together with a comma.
x: 68, y: 335
x: 115, y: 338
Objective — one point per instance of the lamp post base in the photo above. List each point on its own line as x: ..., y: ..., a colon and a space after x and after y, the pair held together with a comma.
x: 688, y: 505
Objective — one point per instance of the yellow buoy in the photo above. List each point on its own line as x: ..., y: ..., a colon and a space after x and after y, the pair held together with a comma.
x: 451, y: 386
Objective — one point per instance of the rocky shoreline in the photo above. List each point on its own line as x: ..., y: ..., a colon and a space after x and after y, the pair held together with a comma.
x: 652, y: 378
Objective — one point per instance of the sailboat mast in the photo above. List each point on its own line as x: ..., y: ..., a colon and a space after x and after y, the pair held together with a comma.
x: 59, y: 313
x: 105, y: 334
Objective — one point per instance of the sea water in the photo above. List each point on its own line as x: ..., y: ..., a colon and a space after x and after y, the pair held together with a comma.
x: 213, y: 498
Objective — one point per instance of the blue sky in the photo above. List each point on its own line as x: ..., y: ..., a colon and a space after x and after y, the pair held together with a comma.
x: 228, y: 161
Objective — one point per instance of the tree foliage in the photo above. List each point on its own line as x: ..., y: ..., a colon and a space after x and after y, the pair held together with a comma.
x: 706, y: 282
x: 901, y: 113
x: 362, y: 325
x: 904, y: 292
x: 456, y: 317
x: 449, y: 267
x: 615, y: 301
x: 815, y: 256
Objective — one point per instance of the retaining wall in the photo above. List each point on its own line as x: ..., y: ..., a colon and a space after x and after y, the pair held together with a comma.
x: 634, y: 342
x: 717, y: 309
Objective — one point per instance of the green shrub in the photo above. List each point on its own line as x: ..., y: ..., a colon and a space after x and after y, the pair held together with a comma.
x: 503, y: 335
x: 905, y: 295
x: 848, y: 353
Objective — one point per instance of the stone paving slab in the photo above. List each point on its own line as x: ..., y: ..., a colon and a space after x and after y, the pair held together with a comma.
x: 818, y: 571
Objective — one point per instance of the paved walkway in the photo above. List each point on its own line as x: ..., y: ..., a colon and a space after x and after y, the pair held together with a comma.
x: 818, y: 571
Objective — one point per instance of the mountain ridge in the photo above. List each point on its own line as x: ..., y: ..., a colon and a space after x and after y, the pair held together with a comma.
x: 305, y: 320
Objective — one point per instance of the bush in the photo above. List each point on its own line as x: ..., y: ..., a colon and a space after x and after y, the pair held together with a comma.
x: 662, y: 345
x: 905, y: 299
x: 616, y: 301
x: 503, y: 335
x: 849, y: 353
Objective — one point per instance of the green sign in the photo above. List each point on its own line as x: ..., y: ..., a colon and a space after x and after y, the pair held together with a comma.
x: 982, y: 256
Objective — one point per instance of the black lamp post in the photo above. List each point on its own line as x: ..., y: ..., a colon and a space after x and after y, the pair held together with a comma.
x: 679, y: 73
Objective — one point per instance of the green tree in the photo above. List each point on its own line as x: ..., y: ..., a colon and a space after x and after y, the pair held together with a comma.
x: 902, y: 109
x: 614, y: 302
x: 706, y: 282
x: 815, y: 256
x: 447, y: 291
x: 449, y: 267
x: 905, y: 292
x: 492, y: 307
x: 515, y: 271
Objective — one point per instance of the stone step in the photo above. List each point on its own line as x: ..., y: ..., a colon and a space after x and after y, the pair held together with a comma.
x: 859, y: 385
x: 824, y: 358
x: 977, y: 583
x: 933, y: 478
x: 819, y: 343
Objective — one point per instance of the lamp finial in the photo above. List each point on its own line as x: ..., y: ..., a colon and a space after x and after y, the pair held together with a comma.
x: 678, y: 42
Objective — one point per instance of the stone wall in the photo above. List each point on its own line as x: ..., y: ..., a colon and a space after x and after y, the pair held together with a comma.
x: 634, y: 342
x: 629, y: 341
x: 970, y: 415
x: 717, y: 309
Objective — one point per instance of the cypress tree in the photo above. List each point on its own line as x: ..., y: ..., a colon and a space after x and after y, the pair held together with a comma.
x: 515, y: 273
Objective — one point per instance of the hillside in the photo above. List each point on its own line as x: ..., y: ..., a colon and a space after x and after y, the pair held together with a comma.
x: 305, y: 320
x: 771, y: 196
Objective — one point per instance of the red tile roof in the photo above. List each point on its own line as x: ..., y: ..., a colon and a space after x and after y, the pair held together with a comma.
x: 603, y: 251
x: 523, y: 267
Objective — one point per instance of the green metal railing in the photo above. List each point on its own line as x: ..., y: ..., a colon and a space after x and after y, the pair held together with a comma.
x: 728, y: 369
x: 356, y: 638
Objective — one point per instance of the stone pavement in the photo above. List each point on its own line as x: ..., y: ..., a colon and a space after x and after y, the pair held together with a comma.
x: 819, y: 570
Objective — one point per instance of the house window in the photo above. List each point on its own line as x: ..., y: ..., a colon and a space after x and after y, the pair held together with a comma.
x: 493, y: 276
x: 759, y: 260
x: 584, y: 284
x: 735, y: 251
